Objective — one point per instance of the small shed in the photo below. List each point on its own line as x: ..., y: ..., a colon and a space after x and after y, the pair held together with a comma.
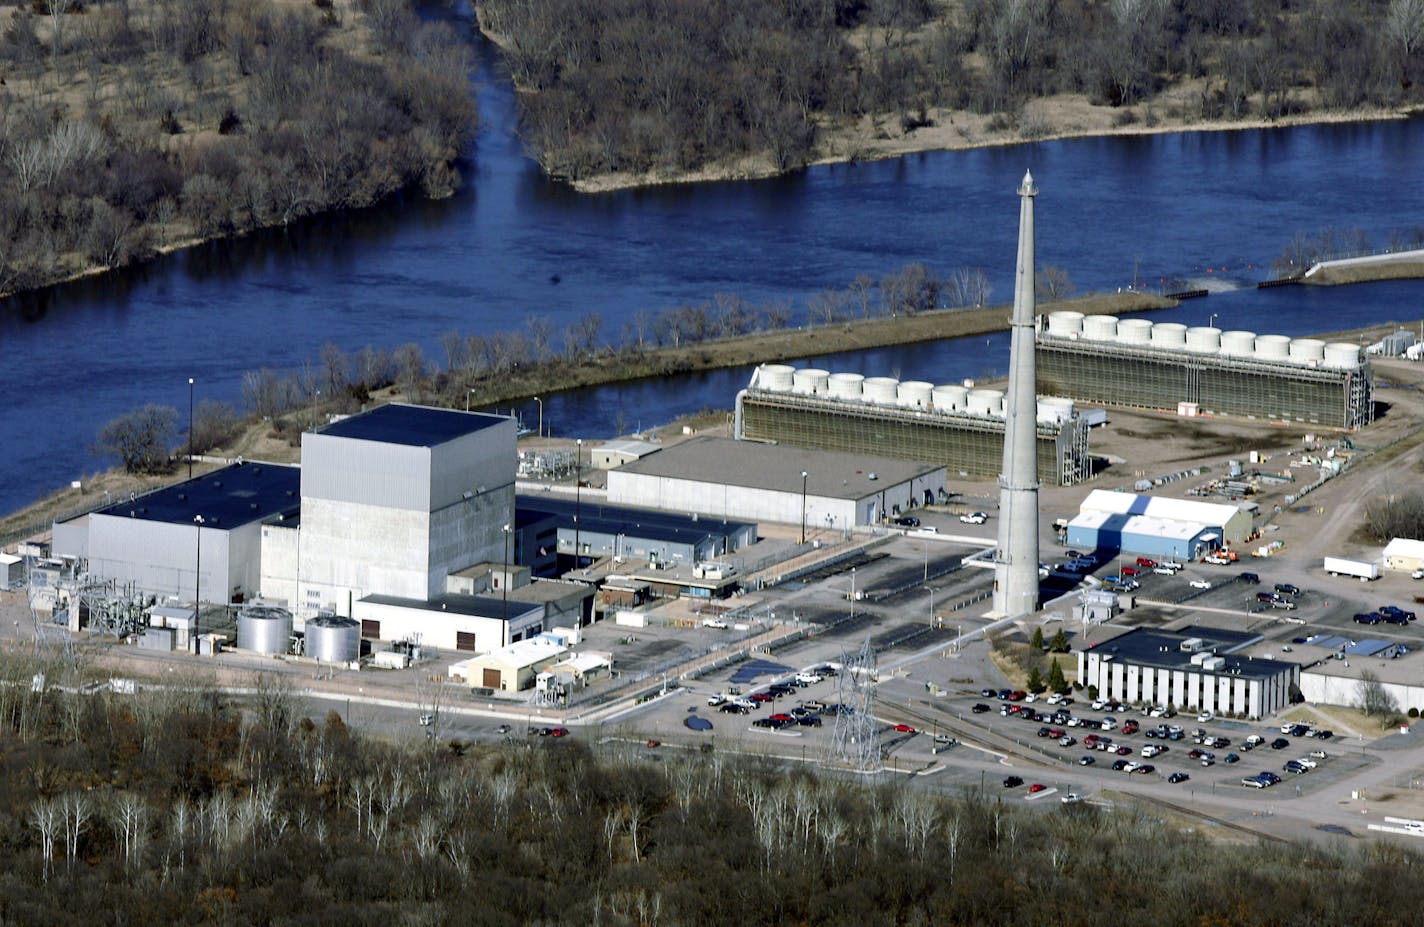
x: 12, y: 571
x: 1404, y: 554
x: 581, y: 668
x: 616, y: 454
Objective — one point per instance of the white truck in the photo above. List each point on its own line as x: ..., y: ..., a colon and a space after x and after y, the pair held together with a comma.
x: 1364, y: 570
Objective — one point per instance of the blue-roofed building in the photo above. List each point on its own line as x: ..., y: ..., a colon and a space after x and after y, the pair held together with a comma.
x: 636, y: 533
x: 155, y: 541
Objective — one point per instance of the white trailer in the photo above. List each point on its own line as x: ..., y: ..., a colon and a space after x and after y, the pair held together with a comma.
x: 1363, y: 570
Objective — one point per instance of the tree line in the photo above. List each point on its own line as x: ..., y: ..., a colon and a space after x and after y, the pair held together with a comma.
x: 632, y: 86
x: 131, y: 126
x: 179, y: 805
x: 537, y: 354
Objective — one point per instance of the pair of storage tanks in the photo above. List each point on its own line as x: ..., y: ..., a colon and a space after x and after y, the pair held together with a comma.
x: 267, y: 629
x: 1203, y: 339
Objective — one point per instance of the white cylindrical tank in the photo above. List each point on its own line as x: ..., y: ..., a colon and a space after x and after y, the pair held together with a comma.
x: 1273, y: 347
x: 776, y: 377
x: 1054, y: 409
x: 265, y: 629
x: 1065, y: 323
x: 1342, y: 355
x: 915, y: 394
x: 1204, y: 339
x: 333, y: 639
x: 845, y: 385
x: 986, y: 402
x: 810, y: 382
x: 1307, y: 350
x: 1134, y: 331
x: 950, y: 397
x: 880, y: 390
x: 1238, y: 343
x: 1100, y: 328
x: 1169, y: 335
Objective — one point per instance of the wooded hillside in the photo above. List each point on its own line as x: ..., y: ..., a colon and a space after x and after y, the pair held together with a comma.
x: 635, y: 86
x: 172, y: 806
x: 130, y: 126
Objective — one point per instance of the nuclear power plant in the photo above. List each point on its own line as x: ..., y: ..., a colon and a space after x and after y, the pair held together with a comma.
x: 951, y: 425
x: 1203, y: 370
x: 1016, y: 561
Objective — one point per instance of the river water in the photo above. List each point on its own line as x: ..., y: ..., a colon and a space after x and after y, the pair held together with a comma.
x: 1206, y: 207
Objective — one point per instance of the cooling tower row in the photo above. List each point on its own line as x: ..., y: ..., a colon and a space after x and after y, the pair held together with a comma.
x: 905, y: 394
x: 1174, y: 336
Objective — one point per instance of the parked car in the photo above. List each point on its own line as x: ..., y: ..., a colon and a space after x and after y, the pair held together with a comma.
x: 1250, y: 579
x: 1231, y: 758
x: 907, y: 521
x: 987, y: 693
x: 808, y: 720
x: 809, y: 679
x: 979, y: 708
x: 1286, y: 604
x: 1205, y: 716
x: 1170, y: 564
x: 1145, y: 769
x: 1164, y: 571
x: 1119, y: 765
x: 1178, y: 777
x: 1367, y: 618
x: 558, y: 732
x: 1087, y: 760
x: 1280, y: 743
x: 1287, y: 589
x: 904, y: 729
x: 1129, y: 571
x: 1147, y: 562
x: 1072, y: 798
x: 1200, y: 584
x: 1396, y: 611
x: 1318, y: 754
x: 1266, y: 597
x: 1067, y: 740
x: 1036, y: 788
x: 974, y: 518
x: 1012, y: 782
x: 1254, y: 782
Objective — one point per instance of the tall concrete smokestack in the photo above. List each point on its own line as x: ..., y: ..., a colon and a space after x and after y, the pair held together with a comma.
x: 1016, y: 565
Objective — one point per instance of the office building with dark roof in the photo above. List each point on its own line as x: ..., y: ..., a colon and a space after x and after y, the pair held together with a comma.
x: 199, y: 537
x: 1195, y: 667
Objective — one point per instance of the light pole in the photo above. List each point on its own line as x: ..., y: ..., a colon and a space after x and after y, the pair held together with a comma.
x: 803, y: 506
x: 467, y: 398
x: 190, y: 428
x: 504, y: 582
x: 1212, y: 320
x: 930, y: 590
x: 541, y: 415
x: 578, y: 495
x: 197, y: 577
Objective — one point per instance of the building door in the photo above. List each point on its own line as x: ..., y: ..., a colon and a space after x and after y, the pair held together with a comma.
x: 371, y: 630
x: 490, y: 679
x: 465, y: 640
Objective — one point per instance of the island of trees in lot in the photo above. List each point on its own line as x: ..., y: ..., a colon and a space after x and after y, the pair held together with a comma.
x: 634, y: 88
x: 129, y: 127
x: 175, y: 806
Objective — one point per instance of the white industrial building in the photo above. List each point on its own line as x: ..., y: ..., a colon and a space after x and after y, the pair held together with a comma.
x: 1192, y: 668
x: 199, y: 537
x: 1404, y: 555
x: 1158, y: 525
x: 1338, y: 682
x: 475, y: 624
x: 397, y: 498
x: 749, y: 481
x: 512, y: 668
x: 617, y: 453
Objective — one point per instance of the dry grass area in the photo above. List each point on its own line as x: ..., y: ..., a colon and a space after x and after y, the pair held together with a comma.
x: 1365, y: 273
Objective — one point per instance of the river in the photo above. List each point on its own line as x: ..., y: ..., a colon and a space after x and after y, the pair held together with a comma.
x: 512, y: 245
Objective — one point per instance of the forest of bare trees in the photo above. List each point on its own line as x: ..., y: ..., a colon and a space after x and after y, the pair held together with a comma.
x: 176, y: 806
x: 631, y: 86
x: 128, y: 126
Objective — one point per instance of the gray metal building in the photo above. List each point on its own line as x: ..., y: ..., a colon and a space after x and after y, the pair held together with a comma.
x: 396, y: 498
x: 637, y: 533
x: 200, y: 536
x: 1138, y: 364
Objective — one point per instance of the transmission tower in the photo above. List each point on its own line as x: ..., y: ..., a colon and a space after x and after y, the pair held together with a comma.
x: 855, y: 742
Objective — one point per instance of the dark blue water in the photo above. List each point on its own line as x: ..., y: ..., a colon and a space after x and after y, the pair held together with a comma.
x: 1111, y: 211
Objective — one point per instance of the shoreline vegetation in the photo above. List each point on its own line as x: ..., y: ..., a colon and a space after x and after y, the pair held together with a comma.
x: 135, y: 128
x: 617, y: 93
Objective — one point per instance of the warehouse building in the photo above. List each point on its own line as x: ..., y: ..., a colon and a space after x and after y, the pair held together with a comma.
x: 397, y: 498
x: 953, y: 426
x: 1156, y: 525
x: 1192, y: 668
x: 1404, y: 555
x: 477, y: 624
x: 199, y: 537
x: 752, y: 482
x: 513, y: 668
x: 1134, y: 363
x: 622, y: 532
x: 1340, y: 681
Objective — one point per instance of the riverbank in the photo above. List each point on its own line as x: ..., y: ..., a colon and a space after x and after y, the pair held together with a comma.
x: 1048, y: 119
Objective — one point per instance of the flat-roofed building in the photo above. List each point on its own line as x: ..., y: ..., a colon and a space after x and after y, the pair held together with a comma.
x: 748, y: 481
x: 199, y: 537
x: 635, y: 533
x: 476, y: 624
x: 1404, y: 555
x: 1194, y: 668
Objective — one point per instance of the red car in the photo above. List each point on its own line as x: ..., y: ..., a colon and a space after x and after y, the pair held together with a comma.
x: 1129, y: 727
x: 1146, y: 562
x: 761, y: 697
x: 1124, y: 751
x: 782, y: 716
x: 1018, y: 695
x: 1130, y: 571
x: 1037, y: 787
x: 558, y: 732
x: 905, y: 729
